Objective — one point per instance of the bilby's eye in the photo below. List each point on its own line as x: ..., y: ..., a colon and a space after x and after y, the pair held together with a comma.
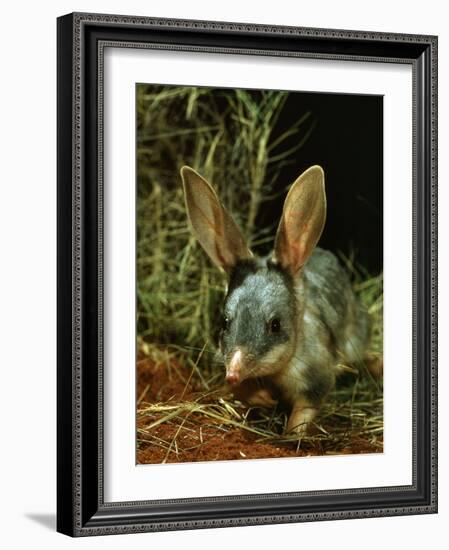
x: 225, y: 323
x: 275, y: 325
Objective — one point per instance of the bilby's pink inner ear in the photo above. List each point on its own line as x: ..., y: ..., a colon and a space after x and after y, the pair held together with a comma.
x: 302, y: 220
x: 212, y: 225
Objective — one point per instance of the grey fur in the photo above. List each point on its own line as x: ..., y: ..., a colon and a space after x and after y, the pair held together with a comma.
x: 264, y: 293
x: 333, y: 327
x: 320, y: 318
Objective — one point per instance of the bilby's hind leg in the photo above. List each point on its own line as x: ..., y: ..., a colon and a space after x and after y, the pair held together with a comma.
x: 375, y: 365
x: 372, y: 362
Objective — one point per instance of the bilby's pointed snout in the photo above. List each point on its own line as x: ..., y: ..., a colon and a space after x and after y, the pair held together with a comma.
x: 233, y: 370
x: 232, y: 378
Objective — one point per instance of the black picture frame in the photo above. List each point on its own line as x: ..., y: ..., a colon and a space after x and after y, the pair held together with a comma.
x: 81, y: 509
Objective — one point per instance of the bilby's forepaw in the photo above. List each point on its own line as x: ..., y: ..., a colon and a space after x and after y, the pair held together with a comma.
x: 300, y: 417
x: 261, y: 398
x: 251, y: 392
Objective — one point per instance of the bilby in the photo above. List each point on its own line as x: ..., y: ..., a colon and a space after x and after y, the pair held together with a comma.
x: 289, y: 319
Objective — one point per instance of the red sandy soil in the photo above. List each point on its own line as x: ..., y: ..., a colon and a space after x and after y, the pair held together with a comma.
x: 204, y: 439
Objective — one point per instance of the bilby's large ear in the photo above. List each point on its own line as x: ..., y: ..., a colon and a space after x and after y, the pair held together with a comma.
x: 212, y: 225
x: 302, y: 220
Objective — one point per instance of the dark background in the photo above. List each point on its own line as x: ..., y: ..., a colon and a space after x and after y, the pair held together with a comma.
x: 347, y: 141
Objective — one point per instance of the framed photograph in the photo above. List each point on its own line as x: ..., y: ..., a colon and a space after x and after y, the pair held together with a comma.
x: 247, y: 279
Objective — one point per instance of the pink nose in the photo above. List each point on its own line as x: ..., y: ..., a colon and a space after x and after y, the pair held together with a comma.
x: 232, y: 378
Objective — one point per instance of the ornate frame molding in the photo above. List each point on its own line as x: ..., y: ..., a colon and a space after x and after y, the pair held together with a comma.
x: 81, y: 41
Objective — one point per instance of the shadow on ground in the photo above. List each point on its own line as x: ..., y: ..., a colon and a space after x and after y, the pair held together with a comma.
x: 46, y: 520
